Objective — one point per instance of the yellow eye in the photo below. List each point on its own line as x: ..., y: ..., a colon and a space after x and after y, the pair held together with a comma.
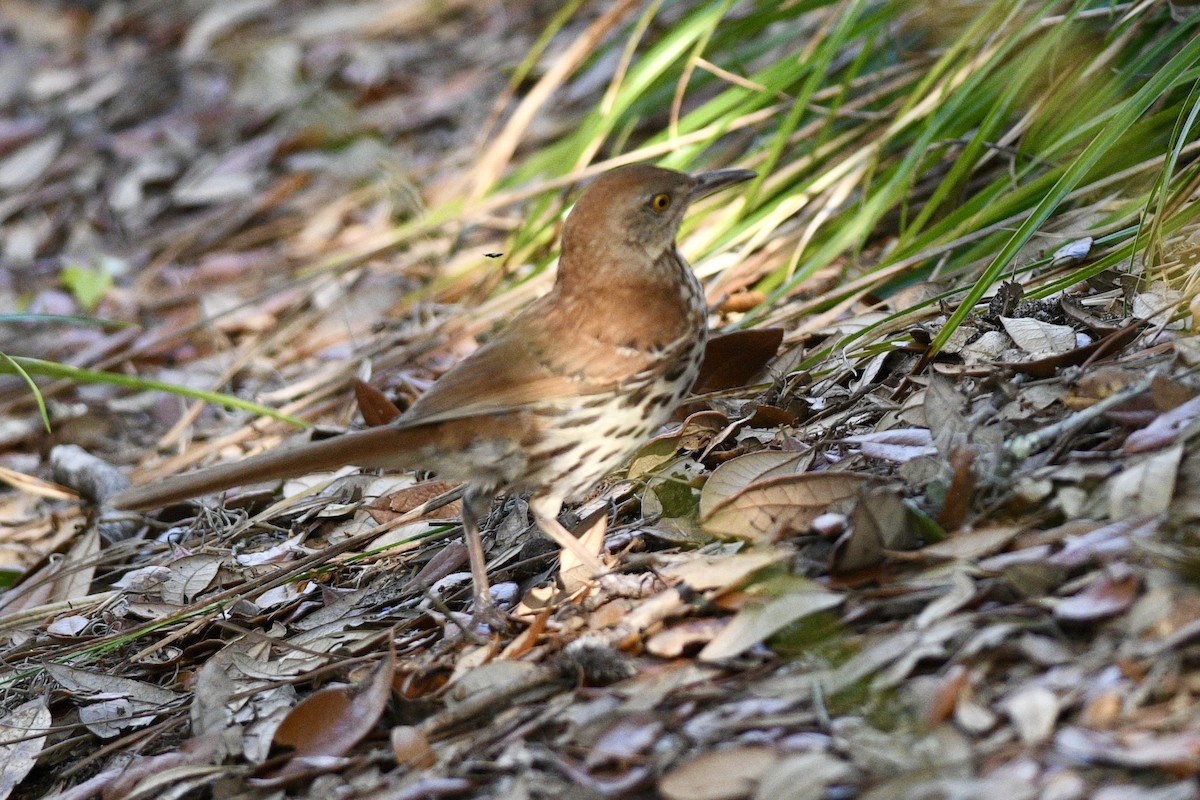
x: 661, y: 202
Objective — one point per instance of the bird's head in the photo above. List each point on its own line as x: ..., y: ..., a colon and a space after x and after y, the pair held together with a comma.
x: 639, y: 207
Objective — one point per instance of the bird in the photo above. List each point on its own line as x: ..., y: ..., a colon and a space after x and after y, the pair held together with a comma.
x: 559, y: 398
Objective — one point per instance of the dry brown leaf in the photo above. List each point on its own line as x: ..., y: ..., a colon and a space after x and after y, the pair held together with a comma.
x: 736, y: 474
x: 674, y: 641
x: 769, y: 508
x: 400, y: 502
x: 411, y: 747
x: 1105, y: 597
x: 21, y: 742
x: 330, y: 721
x: 704, y: 572
x: 759, y: 620
x: 574, y: 574
x: 374, y: 405
x: 881, y: 522
x: 898, y: 444
x: 701, y: 426
x: 967, y: 545
x: 1145, y: 487
x: 1043, y: 338
x: 190, y: 576
x: 732, y: 359
x: 68, y: 578
x: 1165, y: 430
x: 719, y: 775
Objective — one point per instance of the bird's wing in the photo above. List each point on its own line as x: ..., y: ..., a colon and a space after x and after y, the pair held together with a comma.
x: 527, y: 365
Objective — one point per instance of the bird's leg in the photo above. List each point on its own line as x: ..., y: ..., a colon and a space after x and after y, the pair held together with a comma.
x: 476, y: 504
x: 545, y: 510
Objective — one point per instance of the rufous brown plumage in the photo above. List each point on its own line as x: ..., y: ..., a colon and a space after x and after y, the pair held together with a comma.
x: 563, y: 395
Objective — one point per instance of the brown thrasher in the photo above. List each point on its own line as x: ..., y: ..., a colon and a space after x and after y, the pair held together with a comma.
x: 562, y: 396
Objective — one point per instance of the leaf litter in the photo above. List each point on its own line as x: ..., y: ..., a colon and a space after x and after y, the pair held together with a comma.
x: 842, y: 580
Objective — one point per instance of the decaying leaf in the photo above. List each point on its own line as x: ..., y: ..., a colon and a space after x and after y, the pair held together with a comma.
x: 731, y: 359
x: 728, y: 774
x: 897, y: 444
x: 1145, y: 487
x: 190, y: 576
x: 1165, y: 430
x: 1104, y: 597
x: 773, y: 507
x: 330, y: 721
x: 121, y: 703
x: 723, y: 572
x: 374, y: 405
x: 759, y: 620
x: 736, y: 474
x: 23, y: 732
x: 1034, y: 336
x: 881, y: 522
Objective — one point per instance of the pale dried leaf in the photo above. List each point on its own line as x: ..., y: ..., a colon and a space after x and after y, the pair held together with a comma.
x: 411, y: 748
x: 85, y: 683
x: 805, y: 776
x: 1105, y: 597
x: 702, y: 572
x: 757, y: 621
x: 962, y: 591
x: 21, y: 742
x: 736, y: 474
x: 69, y: 625
x: 1034, y: 336
x: 719, y: 775
x: 1135, y: 750
x: 110, y: 718
x: 1033, y: 711
x: 969, y: 545
x: 1165, y: 430
x: 1145, y: 487
x: 678, y: 639
x: 1156, y: 303
x: 774, y: 506
x: 1072, y: 252
x: 190, y: 576
x: 898, y: 444
x: 25, y: 165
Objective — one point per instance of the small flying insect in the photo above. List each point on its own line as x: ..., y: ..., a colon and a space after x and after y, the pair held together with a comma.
x: 493, y: 255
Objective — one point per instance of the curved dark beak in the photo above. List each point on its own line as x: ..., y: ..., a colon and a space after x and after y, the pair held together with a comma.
x: 709, y: 182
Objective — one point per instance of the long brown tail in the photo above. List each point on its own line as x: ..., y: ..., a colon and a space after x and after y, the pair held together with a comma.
x: 384, y: 446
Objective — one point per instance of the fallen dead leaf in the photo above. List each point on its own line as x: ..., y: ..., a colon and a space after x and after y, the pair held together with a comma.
x: 898, y: 444
x: 1034, y: 336
x: 1164, y: 430
x: 769, y: 508
x: 703, y: 573
x: 755, y: 622
x: 1145, y: 487
x: 732, y: 359
x: 719, y: 775
x: 330, y: 721
x: 736, y: 474
x: 1104, y: 597
x: 411, y: 747
x: 21, y: 742
x: 1033, y: 711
